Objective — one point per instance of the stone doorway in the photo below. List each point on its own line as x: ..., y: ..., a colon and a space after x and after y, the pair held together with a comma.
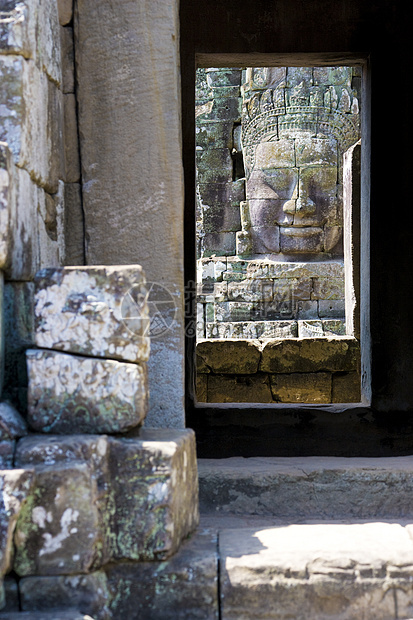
x: 277, y: 279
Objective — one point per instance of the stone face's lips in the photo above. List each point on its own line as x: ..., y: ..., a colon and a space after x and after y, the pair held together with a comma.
x: 303, y: 231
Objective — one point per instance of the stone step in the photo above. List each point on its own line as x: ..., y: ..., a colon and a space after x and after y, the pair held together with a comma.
x: 317, y: 572
x: 301, y: 489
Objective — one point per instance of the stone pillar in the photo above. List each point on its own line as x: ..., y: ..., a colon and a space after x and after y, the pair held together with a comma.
x: 130, y: 140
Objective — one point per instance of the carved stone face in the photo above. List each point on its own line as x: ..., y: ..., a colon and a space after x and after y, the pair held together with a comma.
x: 293, y: 196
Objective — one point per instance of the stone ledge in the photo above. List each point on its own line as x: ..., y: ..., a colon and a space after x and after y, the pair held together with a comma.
x: 305, y: 488
x: 317, y: 572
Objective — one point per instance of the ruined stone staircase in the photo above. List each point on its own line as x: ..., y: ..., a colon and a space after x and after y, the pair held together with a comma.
x: 314, y: 538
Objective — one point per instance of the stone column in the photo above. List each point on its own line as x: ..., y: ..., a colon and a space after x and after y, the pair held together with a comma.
x: 130, y: 140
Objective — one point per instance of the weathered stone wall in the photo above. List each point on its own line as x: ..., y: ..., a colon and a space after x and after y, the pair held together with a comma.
x: 41, y: 214
x: 83, y: 489
x: 294, y: 370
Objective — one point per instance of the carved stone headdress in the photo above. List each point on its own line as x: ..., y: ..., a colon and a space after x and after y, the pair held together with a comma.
x: 274, y: 107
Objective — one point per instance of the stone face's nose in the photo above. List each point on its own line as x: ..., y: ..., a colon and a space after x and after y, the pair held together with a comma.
x: 305, y: 206
x: 302, y: 206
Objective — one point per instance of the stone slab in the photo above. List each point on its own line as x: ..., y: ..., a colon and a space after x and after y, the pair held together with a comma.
x: 238, y: 389
x: 297, y: 489
x: 155, y: 493
x: 58, y: 531
x: 185, y: 587
x: 97, y: 311
x: 75, y: 394
x: 89, y: 593
x: 230, y: 356
x: 15, y: 487
x: 301, y: 387
x: 311, y: 355
x: 317, y: 572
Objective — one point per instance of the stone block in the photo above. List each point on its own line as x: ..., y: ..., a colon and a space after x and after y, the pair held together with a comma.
x: 214, y: 134
x: 65, y: 9
x: 71, y: 393
x: 319, y: 571
x: 50, y: 227
x: 226, y: 109
x: 239, y: 389
x: 265, y: 239
x: 90, y: 593
x: 211, y: 269
x: 48, y: 50
x: 19, y: 334
x: 40, y: 147
x: 334, y: 327
x: 221, y: 218
x: 214, y: 166
x: 243, y: 243
x: 307, y: 239
x: 73, y: 225
x: 224, y: 77
x: 310, y: 329
x: 282, y: 152
x: 58, y: 531
x: 250, y: 290
x: 17, y: 30
x: 267, y: 212
x: 307, y: 309
x: 12, y: 425
x: 222, y: 244
x: 32, y: 132
x: 155, y: 493
x: 209, y: 292
x: 15, y: 488
x: 333, y: 240
x: 180, y: 588
x: 18, y: 204
x: 7, y: 448
x: 328, y: 288
x: 73, y: 304
x: 331, y: 308
x: 301, y: 387
x: 238, y: 311
x: 230, y: 356
x: 230, y: 194
x: 346, y: 387
x: 310, y: 355
x: 71, y: 144
x: 68, y: 58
